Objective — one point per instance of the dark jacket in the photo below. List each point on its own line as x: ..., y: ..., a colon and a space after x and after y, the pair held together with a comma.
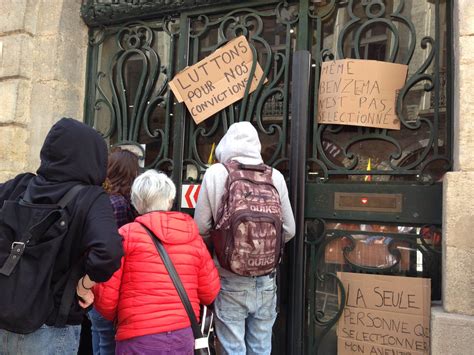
x: 72, y: 154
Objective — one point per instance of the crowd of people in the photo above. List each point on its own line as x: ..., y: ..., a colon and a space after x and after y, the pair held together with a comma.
x: 109, y: 264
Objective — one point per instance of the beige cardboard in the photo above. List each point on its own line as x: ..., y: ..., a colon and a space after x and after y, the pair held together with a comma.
x: 385, y: 311
x: 391, y: 329
x: 216, y: 81
x: 352, y: 347
x: 360, y: 93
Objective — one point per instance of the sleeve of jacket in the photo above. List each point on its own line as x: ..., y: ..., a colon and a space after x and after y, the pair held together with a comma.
x: 209, y: 282
x: 106, y: 295
x: 289, y: 227
x: 210, y: 198
x: 102, y: 241
x: 203, y: 211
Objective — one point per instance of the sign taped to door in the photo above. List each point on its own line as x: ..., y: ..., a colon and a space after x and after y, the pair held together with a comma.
x: 384, y: 315
x: 218, y: 80
x: 359, y: 92
x: 189, y: 195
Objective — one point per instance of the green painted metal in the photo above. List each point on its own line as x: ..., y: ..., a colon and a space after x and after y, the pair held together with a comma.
x: 324, y: 280
x: 423, y: 141
x: 129, y: 102
x: 304, y: 31
x: 421, y: 204
x: 426, y: 129
x: 100, y: 12
x: 276, y: 67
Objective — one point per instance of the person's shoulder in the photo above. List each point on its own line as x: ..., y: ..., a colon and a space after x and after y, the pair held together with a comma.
x: 92, y: 197
x: 215, y: 173
x: 277, y: 175
x: 117, y: 197
x: 216, y: 169
x: 118, y: 200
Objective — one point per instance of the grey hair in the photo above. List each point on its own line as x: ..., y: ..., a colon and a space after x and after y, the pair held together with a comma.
x: 152, y: 191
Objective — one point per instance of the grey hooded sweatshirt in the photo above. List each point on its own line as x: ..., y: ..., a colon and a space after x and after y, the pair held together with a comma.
x: 240, y: 143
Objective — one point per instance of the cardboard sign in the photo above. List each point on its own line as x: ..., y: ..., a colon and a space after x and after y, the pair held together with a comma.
x: 360, y: 93
x: 384, y: 315
x: 216, y: 81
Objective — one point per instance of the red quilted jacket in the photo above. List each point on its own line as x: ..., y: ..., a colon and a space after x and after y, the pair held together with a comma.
x: 141, y: 295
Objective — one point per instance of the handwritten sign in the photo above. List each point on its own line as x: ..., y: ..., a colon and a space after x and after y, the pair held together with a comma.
x: 218, y: 80
x: 360, y: 93
x: 384, y: 315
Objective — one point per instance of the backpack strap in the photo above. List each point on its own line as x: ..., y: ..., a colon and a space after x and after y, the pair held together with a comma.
x: 16, y: 252
x: 261, y: 167
x: 63, y: 202
x: 69, y: 294
x: 234, y: 166
x: 68, y: 196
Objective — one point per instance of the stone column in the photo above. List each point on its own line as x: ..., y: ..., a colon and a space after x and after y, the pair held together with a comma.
x: 453, y: 323
x: 43, y: 49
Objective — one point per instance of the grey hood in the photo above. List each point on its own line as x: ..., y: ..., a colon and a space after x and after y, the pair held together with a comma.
x: 240, y: 143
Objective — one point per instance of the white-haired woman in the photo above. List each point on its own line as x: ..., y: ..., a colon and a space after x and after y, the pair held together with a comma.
x: 141, y: 297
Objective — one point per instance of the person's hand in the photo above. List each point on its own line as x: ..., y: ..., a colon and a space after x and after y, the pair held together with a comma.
x: 85, y: 298
x: 84, y: 293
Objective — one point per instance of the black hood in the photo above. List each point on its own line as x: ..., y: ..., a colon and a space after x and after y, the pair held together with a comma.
x: 72, y: 153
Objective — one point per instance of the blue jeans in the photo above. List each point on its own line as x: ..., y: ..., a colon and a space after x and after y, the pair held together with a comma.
x: 103, y: 334
x: 44, y: 341
x: 245, y: 312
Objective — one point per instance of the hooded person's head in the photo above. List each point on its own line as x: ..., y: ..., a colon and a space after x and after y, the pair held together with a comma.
x: 73, y: 152
x: 241, y: 141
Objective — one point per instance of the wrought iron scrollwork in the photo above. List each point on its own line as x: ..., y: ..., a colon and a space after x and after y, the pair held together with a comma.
x: 271, y: 91
x: 106, y: 12
x: 400, y: 160
x: 129, y: 103
x: 399, y: 247
x: 316, y: 241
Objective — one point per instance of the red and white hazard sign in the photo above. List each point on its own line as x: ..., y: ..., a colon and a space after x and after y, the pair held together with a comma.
x: 189, y: 195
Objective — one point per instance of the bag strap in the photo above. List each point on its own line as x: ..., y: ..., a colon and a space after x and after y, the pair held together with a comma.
x: 63, y: 202
x: 69, y: 293
x: 68, y: 196
x: 233, y: 166
x: 176, y: 282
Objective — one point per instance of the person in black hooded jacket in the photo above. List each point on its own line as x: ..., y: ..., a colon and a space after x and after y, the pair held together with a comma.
x: 73, y: 153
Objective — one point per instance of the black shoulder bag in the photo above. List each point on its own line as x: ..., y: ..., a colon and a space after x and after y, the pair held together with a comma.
x: 201, y: 342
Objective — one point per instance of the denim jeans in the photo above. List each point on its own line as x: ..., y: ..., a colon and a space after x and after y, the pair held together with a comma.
x: 245, y: 312
x: 44, y: 341
x: 103, y: 334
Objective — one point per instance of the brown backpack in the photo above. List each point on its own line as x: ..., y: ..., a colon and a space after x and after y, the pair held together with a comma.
x: 247, y: 235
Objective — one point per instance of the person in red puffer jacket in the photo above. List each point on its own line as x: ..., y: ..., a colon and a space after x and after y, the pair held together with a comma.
x: 140, y: 296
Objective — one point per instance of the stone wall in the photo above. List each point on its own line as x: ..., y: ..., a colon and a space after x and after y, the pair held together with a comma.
x: 453, y: 323
x: 43, y: 49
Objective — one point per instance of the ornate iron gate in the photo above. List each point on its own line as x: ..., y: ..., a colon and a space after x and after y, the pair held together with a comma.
x: 137, y: 46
